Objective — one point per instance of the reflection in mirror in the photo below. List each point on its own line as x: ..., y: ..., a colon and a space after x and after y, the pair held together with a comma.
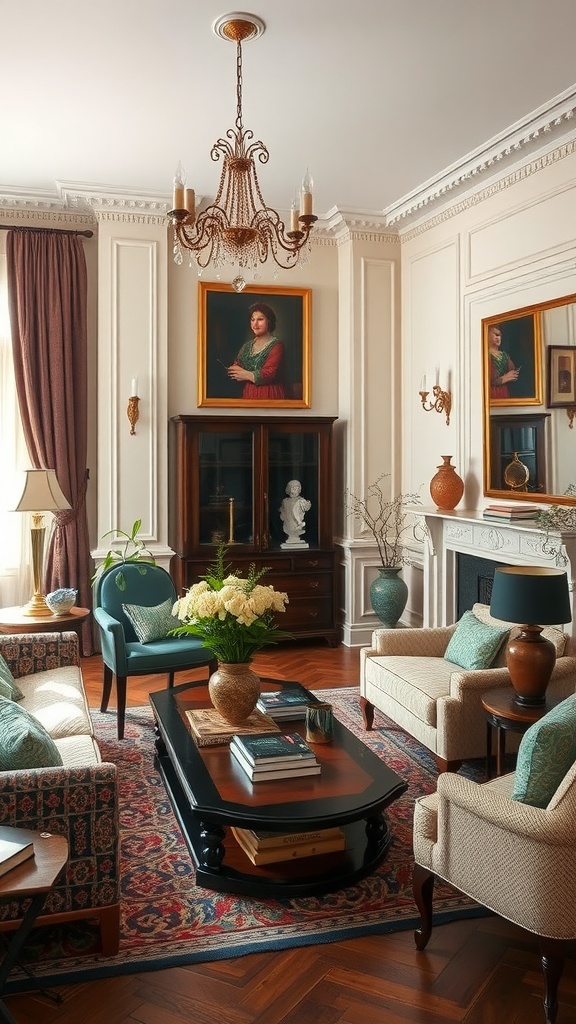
x: 529, y: 362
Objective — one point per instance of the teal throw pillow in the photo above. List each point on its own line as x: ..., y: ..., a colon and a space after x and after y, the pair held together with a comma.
x: 475, y: 644
x: 8, y: 686
x: 24, y: 742
x: 152, y: 623
x: 546, y: 752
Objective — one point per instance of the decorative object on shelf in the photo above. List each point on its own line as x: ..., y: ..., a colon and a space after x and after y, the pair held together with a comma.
x: 133, y: 550
x: 238, y: 228
x: 292, y: 511
x: 42, y: 493
x: 516, y: 474
x: 133, y: 411
x: 234, y: 617
x: 529, y: 595
x: 557, y: 517
x: 388, y: 596
x: 441, y: 401
x: 61, y: 601
x: 446, y: 487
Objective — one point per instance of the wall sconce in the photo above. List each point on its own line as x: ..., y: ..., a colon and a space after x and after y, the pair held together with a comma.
x: 441, y: 401
x: 132, y: 411
x: 571, y: 413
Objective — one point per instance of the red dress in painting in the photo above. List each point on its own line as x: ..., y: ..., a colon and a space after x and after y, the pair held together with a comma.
x: 268, y: 369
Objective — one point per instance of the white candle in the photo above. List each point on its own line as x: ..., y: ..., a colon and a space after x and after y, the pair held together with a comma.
x: 437, y: 375
x: 294, y: 213
x: 423, y: 383
x: 134, y: 392
x: 191, y: 203
x: 178, y: 190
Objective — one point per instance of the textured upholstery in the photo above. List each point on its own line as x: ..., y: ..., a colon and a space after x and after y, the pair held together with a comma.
x: 123, y: 655
x: 405, y: 675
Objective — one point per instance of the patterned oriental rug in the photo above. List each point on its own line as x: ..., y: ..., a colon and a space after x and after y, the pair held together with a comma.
x: 167, y: 920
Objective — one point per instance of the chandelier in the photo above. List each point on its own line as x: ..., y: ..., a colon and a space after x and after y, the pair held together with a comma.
x: 238, y: 228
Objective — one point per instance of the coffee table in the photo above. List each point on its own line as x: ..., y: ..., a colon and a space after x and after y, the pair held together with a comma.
x: 210, y: 793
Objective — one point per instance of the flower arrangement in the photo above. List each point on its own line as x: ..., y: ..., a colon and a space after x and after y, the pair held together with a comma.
x: 387, y: 520
x: 234, y: 617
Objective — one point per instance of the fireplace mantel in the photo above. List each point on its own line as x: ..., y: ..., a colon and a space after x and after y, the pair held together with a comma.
x: 450, y: 533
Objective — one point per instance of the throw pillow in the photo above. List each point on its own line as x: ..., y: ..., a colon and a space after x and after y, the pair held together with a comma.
x: 474, y: 644
x: 8, y: 686
x: 152, y: 623
x: 546, y: 752
x: 24, y: 742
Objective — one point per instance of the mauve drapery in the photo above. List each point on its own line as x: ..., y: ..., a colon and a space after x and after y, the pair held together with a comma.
x: 47, y: 294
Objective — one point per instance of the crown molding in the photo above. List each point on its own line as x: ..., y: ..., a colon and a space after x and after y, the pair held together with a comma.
x: 546, y: 127
x: 358, y: 225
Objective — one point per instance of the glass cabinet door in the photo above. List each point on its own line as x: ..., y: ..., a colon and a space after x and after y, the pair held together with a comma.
x: 226, y: 471
x: 293, y: 456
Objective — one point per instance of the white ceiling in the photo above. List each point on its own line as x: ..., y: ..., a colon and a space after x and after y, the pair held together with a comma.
x: 375, y: 97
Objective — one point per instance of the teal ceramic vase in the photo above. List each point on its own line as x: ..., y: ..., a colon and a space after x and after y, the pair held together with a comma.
x: 389, y: 594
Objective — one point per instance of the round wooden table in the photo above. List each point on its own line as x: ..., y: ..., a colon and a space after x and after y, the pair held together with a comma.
x: 12, y: 620
x: 504, y: 714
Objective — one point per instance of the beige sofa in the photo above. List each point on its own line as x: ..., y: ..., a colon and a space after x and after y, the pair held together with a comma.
x: 78, y: 800
x: 404, y: 675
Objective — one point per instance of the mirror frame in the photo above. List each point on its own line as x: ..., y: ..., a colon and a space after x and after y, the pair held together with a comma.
x: 538, y: 395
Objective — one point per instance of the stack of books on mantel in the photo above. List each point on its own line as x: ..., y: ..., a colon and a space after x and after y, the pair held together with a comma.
x: 510, y: 513
x: 209, y: 729
x: 268, y: 758
x: 274, y: 847
x: 290, y: 702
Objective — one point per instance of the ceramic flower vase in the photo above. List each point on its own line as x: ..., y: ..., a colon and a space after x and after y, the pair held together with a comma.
x: 389, y: 594
x: 234, y: 690
x: 446, y: 487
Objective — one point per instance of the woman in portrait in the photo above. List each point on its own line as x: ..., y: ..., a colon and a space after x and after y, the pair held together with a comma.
x: 260, y: 364
x: 502, y: 369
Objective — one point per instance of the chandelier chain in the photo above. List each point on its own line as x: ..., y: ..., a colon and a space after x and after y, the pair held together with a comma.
x: 239, y: 85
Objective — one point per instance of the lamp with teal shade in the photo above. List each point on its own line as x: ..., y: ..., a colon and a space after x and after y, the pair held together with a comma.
x: 42, y: 493
x: 534, y: 597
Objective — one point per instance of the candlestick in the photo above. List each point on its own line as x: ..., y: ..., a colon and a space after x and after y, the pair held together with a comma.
x: 231, y: 520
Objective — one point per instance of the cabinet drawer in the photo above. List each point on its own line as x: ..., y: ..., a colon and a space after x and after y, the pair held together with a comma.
x: 295, y: 586
x: 307, y: 613
x: 311, y: 563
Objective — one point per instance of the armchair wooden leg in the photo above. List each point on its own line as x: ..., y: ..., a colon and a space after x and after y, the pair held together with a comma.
x: 106, y: 688
x: 446, y: 766
x: 367, y: 710
x: 552, y: 959
x: 170, y: 680
x: 109, y: 923
x: 423, y: 890
x: 212, y: 666
x: 121, y: 701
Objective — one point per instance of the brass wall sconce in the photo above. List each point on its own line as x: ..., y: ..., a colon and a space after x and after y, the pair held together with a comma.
x: 441, y: 401
x: 571, y: 413
x: 133, y: 412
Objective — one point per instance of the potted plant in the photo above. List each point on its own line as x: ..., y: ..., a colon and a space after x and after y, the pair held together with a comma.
x: 235, y: 618
x: 557, y: 517
x: 389, y: 521
x: 131, y: 549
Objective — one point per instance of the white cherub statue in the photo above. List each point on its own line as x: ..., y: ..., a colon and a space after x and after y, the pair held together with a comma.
x: 292, y: 511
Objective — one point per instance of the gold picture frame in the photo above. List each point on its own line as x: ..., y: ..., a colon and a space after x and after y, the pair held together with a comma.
x: 280, y: 372
x: 515, y: 377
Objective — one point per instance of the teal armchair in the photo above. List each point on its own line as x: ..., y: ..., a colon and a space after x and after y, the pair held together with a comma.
x: 145, y: 586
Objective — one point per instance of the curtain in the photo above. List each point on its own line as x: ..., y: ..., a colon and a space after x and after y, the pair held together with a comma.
x: 47, y: 293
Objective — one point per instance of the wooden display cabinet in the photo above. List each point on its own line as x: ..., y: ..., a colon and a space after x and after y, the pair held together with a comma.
x: 227, y: 479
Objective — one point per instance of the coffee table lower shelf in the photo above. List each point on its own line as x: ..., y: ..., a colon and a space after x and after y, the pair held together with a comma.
x: 366, y: 844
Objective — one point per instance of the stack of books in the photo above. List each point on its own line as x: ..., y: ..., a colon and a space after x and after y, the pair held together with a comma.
x: 510, y: 513
x: 291, y: 702
x: 13, y: 849
x: 209, y: 729
x: 273, y: 847
x: 266, y: 758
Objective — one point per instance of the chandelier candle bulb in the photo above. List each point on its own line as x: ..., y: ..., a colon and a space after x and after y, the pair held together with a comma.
x: 307, y: 186
x: 190, y: 204
x: 294, y: 214
x: 178, y: 193
x: 134, y: 391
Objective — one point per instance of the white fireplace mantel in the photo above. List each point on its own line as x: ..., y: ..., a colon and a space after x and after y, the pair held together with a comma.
x: 450, y: 533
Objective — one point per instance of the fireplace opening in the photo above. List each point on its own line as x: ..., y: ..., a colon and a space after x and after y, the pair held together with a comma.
x: 475, y: 578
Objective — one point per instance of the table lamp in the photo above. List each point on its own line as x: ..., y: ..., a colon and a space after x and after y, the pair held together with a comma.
x: 41, y: 494
x: 529, y: 595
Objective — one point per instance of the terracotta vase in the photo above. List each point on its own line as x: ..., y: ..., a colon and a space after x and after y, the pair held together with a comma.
x: 234, y: 690
x: 446, y: 487
x: 388, y: 595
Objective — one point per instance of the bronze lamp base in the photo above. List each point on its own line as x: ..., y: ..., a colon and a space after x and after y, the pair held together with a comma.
x: 530, y: 659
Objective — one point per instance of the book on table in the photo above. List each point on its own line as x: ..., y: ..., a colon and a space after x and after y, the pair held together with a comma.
x: 296, y: 851
x: 275, y: 772
x: 13, y: 849
x: 209, y: 728
x: 280, y: 748
x: 261, y: 839
x: 290, y: 702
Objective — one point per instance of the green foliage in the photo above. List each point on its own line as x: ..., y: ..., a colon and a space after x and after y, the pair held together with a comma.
x: 557, y: 517
x: 130, y: 549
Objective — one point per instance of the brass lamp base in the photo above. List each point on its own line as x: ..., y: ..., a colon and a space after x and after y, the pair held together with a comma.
x: 530, y: 659
x: 37, y: 606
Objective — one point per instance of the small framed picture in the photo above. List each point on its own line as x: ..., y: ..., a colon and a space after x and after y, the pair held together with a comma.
x: 254, y: 347
x: 512, y: 359
x: 561, y: 376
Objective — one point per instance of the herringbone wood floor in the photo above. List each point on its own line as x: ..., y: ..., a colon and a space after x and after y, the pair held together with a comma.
x: 478, y: 972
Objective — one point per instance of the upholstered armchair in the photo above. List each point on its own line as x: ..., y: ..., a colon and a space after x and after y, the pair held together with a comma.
x: 406, y: 676
x: 137, y: 643
x: 516, y: 859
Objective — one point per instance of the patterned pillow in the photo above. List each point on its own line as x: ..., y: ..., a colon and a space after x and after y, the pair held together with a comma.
x: 474, y: 644
x: 546, y: 752
x: 8, y: 686
x: 152, y: 623
x: 24, y: 742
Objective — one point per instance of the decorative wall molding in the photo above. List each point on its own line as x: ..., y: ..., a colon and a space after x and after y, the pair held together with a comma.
x: 358, y: 226
x: 45, y: 218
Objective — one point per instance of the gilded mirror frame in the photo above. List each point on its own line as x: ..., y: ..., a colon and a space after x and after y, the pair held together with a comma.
x: 528, y: 437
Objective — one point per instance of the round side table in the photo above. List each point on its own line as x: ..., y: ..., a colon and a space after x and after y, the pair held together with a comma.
x: 12, y: 620
x: 504, y: 714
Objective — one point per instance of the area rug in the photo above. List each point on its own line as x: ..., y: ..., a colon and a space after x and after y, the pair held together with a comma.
x: 167, y: 920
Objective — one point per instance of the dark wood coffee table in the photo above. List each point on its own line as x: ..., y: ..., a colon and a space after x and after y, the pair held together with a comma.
x: 210, y: 793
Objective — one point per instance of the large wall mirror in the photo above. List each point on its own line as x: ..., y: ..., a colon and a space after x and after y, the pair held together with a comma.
x: 529, y: 361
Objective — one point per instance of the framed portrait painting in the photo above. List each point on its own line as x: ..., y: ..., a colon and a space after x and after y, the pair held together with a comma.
x: 561, y: 376
x: 253, y: 347
x: 512, y: 359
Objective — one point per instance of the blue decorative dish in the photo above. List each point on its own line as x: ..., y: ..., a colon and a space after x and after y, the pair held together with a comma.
x: 61, y: 601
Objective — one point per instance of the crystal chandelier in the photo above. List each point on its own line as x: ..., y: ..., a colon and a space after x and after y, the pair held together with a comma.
x: 238, y: 228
